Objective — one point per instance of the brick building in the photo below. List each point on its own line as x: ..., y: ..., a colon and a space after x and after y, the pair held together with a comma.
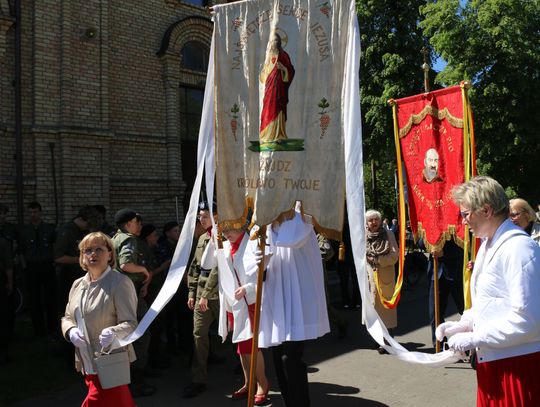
x: 111, y: 95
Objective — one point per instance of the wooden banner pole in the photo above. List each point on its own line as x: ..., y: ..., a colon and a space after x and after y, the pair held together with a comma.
x: 261, y: 236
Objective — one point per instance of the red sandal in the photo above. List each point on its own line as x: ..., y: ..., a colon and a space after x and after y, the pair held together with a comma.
x: 240, y: 394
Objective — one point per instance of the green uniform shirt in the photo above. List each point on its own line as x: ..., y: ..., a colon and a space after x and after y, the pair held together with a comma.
x: 37, y: 242
x: 199, y: 286
x: 67, y: 242
x: 128, y: 250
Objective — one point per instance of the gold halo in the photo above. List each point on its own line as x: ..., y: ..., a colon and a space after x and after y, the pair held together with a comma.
x: 283, y: 35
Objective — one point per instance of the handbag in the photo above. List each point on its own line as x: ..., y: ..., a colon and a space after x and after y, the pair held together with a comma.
x: 112, y: 368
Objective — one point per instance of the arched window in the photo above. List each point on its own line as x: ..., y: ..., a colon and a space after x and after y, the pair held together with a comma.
x: 200, y: 3
x: 195, y: 56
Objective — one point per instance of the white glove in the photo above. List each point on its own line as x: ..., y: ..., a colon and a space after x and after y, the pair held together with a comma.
x: 462, y: 342
x: 451, y: 328
x: 77, y: 337
x: 259, y: 257
x: 106, y: 338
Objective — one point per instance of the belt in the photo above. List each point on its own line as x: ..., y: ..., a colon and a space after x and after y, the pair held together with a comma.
x: 205, y: 272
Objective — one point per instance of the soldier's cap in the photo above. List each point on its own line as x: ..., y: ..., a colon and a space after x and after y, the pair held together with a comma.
x: 123, y: 216
x: 147, y: 230
x: 204, y: 206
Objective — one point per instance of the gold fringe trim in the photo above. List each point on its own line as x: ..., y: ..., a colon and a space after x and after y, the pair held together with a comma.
x: 282, y: 217
x: 448, y: 234
x: 432, y: 111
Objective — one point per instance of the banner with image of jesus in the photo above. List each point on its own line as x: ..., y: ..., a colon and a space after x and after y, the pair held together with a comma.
x: 280, y: 69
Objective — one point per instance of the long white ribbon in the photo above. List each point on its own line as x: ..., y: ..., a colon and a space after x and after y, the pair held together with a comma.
x: 356, y: 209
x: 205, y: 155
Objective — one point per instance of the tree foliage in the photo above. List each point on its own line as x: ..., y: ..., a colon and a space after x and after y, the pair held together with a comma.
x: 496, y: 45
x: 390, y: 67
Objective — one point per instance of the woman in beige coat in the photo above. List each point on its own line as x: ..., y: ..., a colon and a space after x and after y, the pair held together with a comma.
x: 107, y: 302
x: 381, y: 255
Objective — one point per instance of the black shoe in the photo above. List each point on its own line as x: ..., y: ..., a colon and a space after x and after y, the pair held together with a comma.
x: 381, y: 350
x: 142, y: 389
x: 193, y: 389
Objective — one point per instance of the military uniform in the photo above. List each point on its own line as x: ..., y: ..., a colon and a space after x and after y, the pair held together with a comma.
x: 37, y: 247
x: 129, y: 249
x: 67, y: 242
x: 202, y: 284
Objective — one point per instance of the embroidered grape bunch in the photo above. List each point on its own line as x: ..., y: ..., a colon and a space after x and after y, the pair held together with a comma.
x: 234, y: 121
x: 324, y: 120
x: 325, y: 9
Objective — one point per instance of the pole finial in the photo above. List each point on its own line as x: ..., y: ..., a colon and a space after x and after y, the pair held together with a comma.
x: 426, y: 68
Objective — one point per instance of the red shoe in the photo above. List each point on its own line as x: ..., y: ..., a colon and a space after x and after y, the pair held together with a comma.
x: 240, y: 394
x: 262, y: 398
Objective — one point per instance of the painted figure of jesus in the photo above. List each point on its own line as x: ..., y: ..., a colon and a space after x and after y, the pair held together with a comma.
x: 277, y: 75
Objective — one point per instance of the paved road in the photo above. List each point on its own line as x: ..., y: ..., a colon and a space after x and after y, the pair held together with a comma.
x: 342, y: 373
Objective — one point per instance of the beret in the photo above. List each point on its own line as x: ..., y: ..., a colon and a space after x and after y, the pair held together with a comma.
x: 123, y: 216
x: 204, y: 206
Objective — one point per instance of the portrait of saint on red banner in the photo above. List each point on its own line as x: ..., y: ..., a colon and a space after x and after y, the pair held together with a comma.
x: 431, y: 138
x: 431, y: 167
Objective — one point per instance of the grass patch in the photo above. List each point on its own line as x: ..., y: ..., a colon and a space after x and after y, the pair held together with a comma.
x: 37, y: 367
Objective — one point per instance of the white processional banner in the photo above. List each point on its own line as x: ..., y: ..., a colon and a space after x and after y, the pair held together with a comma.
x: 280, y: 70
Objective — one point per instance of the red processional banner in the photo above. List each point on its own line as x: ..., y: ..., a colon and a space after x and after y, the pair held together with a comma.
x: 431, y: 141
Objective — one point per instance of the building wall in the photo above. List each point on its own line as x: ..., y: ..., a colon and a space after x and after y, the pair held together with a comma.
x: 100, y: 104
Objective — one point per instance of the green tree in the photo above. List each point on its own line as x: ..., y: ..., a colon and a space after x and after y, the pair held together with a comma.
x: 390, y: 67
x: 496, y: 45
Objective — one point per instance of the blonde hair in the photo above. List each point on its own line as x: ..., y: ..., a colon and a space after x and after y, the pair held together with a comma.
x: 102, y: 238
x: 527, y: 209
x: 480, y: 191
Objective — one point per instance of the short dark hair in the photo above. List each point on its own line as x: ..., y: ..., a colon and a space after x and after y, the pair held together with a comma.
x: 34, y: 205
x: 169, y: 225
x: 86, y: 213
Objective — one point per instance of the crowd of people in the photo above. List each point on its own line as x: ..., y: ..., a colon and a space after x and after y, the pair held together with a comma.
x: 108, y: 277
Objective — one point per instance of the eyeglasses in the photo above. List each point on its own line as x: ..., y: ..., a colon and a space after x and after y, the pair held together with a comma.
x: 97, y: 250
x: 515, y: 214
x: 465, y: 214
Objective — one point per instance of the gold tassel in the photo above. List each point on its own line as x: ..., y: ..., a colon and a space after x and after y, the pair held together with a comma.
x: 341, y: 252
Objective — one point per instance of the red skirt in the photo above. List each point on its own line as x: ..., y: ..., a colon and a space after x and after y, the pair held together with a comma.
x: 97, y: 397
x: 510, y: 382
x: 244, y: 347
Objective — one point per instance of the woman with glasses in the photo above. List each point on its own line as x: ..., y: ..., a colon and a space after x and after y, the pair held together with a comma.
x: 503, y: 324
x: 101, y: 309
x: 523, y: 215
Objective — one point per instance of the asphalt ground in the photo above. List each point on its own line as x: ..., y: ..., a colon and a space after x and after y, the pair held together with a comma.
x: 342, y: 372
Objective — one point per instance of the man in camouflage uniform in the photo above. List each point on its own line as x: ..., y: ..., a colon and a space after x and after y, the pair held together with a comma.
x: 131, y: 262
x: 203, y: 299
